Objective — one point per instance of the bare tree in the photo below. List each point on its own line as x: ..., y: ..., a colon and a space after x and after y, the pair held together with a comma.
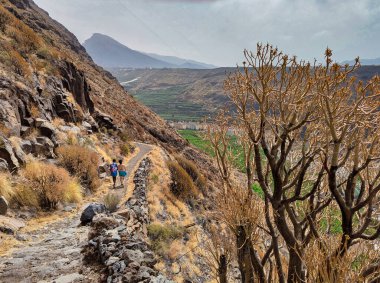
x: 310, y: 139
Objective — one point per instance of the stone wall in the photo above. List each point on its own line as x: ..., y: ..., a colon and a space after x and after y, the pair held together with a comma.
x: 119, y: 241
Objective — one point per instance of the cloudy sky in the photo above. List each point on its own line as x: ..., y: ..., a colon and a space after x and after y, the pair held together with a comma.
x: 217, y: 31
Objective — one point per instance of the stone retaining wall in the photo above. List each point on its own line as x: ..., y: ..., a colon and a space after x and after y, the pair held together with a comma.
x: 119, y: 241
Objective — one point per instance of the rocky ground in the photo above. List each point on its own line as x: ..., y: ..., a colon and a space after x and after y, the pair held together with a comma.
x: 53, y: 253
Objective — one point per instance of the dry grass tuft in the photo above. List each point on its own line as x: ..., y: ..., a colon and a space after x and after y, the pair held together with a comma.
x: 82, y: 163
x: 162, y: 237
x: 6, y: 189
x: 45, y: 185
x: 182, y: 184
x: 191, y: 168
x: 111, y: 201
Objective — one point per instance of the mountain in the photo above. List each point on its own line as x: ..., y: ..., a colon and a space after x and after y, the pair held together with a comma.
x: 109, y: 53
x: 364, y: 62
x: 182, y: 63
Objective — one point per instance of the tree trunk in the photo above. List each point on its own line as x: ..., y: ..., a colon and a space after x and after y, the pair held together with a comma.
x: 296, y: 272
x: 222, y: 271
x: 244, y: 256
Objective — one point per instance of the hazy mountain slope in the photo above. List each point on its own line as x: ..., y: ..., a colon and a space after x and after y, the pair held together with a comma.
x: 182, y: 63
x: 365, y: 62
x: 108, y: 53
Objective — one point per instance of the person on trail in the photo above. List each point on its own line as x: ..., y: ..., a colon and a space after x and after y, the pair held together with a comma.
x: 122, y: 172
x: 113, y: 169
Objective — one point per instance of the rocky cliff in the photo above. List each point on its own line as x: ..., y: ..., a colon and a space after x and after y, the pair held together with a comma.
x: 46, y: 74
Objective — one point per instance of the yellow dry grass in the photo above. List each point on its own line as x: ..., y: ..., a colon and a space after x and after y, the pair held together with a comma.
x: 160, y: 198
x: 159, y: 195
x: 7, y: 244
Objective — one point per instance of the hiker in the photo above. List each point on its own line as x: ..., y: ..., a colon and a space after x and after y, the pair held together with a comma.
x: 113, y: 169
x: 122, y: 172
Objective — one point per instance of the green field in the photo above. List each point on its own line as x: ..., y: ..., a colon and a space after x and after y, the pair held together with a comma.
x: 195, y: 138
x: 166, y: 103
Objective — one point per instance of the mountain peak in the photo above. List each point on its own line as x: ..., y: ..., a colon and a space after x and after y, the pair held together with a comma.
x: 109, y: 53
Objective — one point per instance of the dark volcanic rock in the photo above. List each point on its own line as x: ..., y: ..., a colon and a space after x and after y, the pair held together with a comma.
x: 90, y: 211
x: 3, y: 205
x: 6, y: 153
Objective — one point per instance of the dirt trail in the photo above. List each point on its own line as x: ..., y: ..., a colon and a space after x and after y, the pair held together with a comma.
x: 54, y: 251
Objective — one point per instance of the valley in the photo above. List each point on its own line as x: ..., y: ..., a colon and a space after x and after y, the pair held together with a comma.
x: 177, y: 94
x: 188, y: 94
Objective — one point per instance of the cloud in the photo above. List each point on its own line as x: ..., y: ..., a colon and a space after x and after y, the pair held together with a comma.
x: 217, y: 31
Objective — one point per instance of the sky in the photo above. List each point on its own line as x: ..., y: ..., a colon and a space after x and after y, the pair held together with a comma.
x: 217, y: 31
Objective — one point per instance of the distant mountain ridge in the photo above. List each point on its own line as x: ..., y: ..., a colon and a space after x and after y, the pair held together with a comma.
x: 182, y: 63
x: 109, y: 53
x: 364, y: 62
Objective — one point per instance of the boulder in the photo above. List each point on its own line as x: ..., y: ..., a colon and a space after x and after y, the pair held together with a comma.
x: 104, y: 120
x: 3, y: 206
x: 43, y: 146
x: 25, y: 131
x: 26, y: 146
x: 10, y: 225
x: 3, y: 165
x: 39, y: 121
x: 90, y: 211
x: 6, y: 153
x: 47, y: 130
x: 10, y: 117
x: 20, y: 155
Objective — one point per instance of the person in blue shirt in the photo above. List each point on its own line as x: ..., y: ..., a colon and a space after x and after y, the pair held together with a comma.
x: 113, y: 170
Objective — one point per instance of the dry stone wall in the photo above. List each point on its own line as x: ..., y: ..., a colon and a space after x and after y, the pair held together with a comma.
x: 119, y: 241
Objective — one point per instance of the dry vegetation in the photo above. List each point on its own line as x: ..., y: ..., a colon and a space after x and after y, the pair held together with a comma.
x: 22, y: 49
x: 45, y: 185
x: 82, y: 163
x: 311, y: 143
x: 111, y: 201
x: 179, y: 258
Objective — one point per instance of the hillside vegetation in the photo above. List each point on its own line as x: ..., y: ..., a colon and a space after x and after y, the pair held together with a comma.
x: 188, y: 95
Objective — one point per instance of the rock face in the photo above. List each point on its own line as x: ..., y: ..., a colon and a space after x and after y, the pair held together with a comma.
x: 119, y: 241
x: 3, y: 206
x: 7, y: 154
x: 90, y: 211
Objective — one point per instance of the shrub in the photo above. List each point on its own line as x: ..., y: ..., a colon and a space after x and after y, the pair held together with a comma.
x: 6, y: 186
x: 182, y: 185
x: 4, y: 18
x: 124, y: 149
x: 45, y: 185
x: 14, y: 61
x: 193, y: 171
x: 162, y: 236
x: 25, y: 38
x: 111, y: 201
x: 124, y: 136
x: 81, y: 162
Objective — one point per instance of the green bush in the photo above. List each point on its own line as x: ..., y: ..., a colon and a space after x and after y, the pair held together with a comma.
x: 182, y: 184
x: 81, y: 162
x: 162, y: 236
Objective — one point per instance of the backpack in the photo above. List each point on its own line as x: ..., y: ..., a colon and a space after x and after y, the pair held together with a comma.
x: 113, y: 168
